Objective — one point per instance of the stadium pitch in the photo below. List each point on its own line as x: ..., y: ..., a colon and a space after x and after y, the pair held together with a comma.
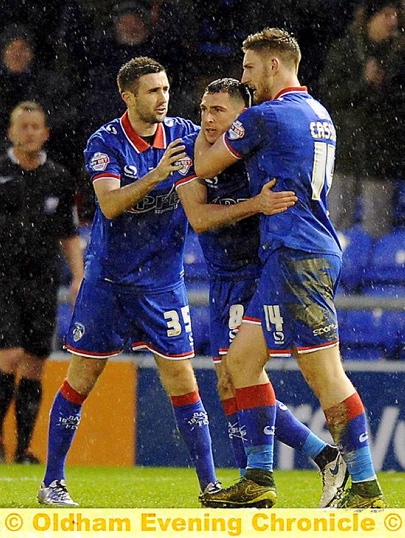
x: 164, y: 487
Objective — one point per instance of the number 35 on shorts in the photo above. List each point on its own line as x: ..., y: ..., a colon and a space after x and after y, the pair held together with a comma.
x: 177, y: 323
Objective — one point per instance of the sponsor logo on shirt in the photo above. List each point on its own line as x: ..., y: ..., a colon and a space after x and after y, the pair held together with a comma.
x: 99, y: 162
x: 111, y: 129
x: 130, y: 170
x: 159, y: 203
x: 236, y: 131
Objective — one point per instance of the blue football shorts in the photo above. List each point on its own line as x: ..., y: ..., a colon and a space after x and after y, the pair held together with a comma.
x: 294, y: 302
x: 228, y: 302
x: 108, y: 318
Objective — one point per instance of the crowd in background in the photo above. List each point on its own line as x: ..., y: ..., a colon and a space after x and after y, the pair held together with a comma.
x: 65, y: 54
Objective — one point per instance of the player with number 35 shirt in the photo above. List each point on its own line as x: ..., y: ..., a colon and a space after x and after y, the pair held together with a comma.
x: 128, y: 252
x: 133, y: 292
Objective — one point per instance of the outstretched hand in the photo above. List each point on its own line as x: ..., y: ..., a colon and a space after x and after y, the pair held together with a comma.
x: 271, y: 203
x: 171, y: 159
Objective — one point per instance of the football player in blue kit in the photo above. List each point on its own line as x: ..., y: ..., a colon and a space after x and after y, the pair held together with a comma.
x: 133, y: 290
x: 214, y: 208
x: 289, y: 136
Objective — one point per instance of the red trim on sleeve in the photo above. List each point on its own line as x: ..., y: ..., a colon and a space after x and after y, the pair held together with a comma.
x: 231, y: 150
x: 105, y: 176
x: 185, y: 180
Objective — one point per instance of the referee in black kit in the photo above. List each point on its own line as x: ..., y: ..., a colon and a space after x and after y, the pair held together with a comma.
x: 37, y: 217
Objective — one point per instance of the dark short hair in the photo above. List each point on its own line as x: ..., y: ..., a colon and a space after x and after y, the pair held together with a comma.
x: 14, y: 32
x: 132, y: 71
x: 232, y: 86
x: 372, y: 7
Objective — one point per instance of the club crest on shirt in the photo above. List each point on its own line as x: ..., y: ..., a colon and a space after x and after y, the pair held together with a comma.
x: 99, y: 162
x: 78, y: 332
x: 236, y: 130
x: 187, y: 163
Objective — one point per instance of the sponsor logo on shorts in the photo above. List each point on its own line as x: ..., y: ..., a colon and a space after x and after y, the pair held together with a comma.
x: 324, y: 330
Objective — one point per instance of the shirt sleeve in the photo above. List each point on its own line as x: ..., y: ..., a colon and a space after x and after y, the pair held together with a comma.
x: 101, y: 159
x: 246, y: 133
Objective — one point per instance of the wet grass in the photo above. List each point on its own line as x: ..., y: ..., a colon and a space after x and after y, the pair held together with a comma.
x: 162, y: 487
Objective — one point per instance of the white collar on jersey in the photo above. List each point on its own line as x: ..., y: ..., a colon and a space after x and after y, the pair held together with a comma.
x: 13, y: 158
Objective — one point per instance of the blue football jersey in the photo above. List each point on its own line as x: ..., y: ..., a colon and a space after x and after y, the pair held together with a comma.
x: 143, y: 247
x: 291, y: 138
x: 230, y: 251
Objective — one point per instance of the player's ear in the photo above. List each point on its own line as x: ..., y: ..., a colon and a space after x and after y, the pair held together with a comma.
x: 128, y: 98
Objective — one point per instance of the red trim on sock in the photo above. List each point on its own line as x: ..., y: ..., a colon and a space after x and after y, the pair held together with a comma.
x: 354, y: 405
x: 70, y: 394
x: 344, y: 411
x: 185, y: 399
x: 255, y: 396
x: 229, y: 406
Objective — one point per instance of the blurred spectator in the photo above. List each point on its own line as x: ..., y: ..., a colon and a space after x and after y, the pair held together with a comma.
x: 60, y: 28
x: 24, y: 77
x: 315, y: 24
x: 136, y: 28
x: 363, y: 86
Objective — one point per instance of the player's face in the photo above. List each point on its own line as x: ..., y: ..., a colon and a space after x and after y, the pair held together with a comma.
x: 218, y: 111
x: 152, y: 98
x: 28, y: 131
x: 257, y: 75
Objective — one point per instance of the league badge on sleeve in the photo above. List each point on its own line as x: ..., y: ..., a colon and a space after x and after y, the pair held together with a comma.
x: 99, y: 162
x: 236, y: 130
x: 187, y: 163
